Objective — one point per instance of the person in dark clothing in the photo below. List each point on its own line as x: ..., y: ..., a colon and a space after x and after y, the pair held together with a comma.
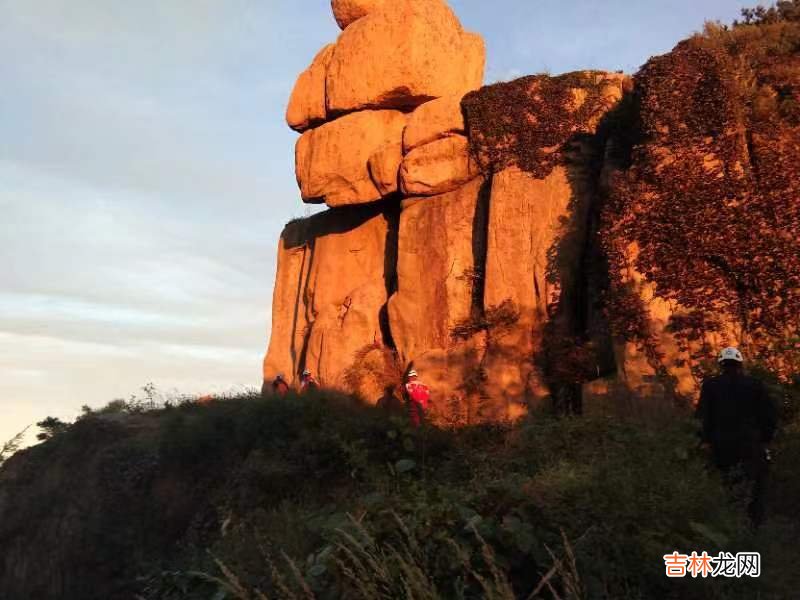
x: 738, y: 422
x: 279, y: 386
x: 389, y: 402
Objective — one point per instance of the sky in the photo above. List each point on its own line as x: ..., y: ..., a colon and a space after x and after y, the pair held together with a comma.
x: 146, y: 172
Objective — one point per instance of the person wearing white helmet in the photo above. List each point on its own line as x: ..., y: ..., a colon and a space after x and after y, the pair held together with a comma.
x: 307, y: 382
x: 738, y: 423
x: 418, y: 397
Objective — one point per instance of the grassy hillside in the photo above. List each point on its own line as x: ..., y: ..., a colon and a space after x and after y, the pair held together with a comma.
x: 323, y: 498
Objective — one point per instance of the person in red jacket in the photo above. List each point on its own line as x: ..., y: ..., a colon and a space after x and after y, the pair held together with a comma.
x: 418, y: 397
x: 307, y: 382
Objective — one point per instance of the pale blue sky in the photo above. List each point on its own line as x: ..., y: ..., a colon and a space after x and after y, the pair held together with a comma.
x: 146, y: 172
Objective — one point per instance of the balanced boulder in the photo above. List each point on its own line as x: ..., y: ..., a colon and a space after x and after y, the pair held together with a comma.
x: 331, y: 161
x: 402, y: 55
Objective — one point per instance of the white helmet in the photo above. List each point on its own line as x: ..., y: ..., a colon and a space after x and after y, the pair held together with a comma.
x: 413, y: 373
x: 306, y: 373
x: 730, y: 354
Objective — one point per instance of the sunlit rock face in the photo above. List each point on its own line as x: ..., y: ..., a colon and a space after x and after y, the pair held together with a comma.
x: 332, y: 161
x: 329, y: 293
x: 307, y: 104
x: 401, y: 55
x: 433, y: 255
x: 487, y: 236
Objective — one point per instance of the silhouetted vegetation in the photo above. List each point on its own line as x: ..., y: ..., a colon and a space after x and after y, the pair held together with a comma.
x: 50, y: 428
x: 784, y: 10
x: 322, y: 497
x: 11, y: 446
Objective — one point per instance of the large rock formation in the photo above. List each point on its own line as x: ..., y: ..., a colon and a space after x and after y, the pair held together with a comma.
x: 460, y: 279
x: 440, y: 246
x: 526, y: 216
x: 525, y: 242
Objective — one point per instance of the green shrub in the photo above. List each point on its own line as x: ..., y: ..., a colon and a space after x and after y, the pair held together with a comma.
x: 571, y: 508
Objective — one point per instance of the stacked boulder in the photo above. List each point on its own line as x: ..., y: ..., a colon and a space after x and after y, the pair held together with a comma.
x: 432, y: 251
x: 380, y: 117
x: 355, y: 101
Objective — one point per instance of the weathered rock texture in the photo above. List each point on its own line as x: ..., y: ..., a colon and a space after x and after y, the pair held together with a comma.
x: 307, y: 103
x: 402, y: 55
x: 332, y: 161
x: 349, y: 11
x: 526, y: 217
x: 546, y: 239
x: 436, y: 288
x: 392, y: 56
x: 432, y: 121
x: 330, y: 293
x: 384, y: 167
x: 441, y: 166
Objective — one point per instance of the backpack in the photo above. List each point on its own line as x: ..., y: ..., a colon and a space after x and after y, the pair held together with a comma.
x: 419, y: 393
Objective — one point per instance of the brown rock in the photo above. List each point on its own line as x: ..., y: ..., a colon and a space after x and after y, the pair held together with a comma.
x: 532, y: 130
x: 349, y: 11
x: 438, y: 167
x: 402, y: 55
x: 435, y: 276
x: 307, y: 104
x: 642, y: 374
x: 473, y: 60
x: 525, y: 221
x: 288, y: 306
x: 332, y: 160
x: 329, y: 293
x: 432, y: 121
x: 384, y: 167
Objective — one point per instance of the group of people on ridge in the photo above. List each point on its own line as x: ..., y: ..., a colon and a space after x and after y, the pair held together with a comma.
x: 416, y: 394
x: 738, y: 420
x: 280, y: 387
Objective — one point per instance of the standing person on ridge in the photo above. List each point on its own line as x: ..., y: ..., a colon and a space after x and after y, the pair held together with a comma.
x: 418, y: 397
x: 307, y: 382
x: 279, y: 386
x: 738, y: 422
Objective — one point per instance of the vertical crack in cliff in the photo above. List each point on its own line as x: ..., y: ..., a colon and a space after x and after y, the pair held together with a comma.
x: 310, y: 253
x: 391, y: 213
x: 480, y: 244
x: 578, y: 345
